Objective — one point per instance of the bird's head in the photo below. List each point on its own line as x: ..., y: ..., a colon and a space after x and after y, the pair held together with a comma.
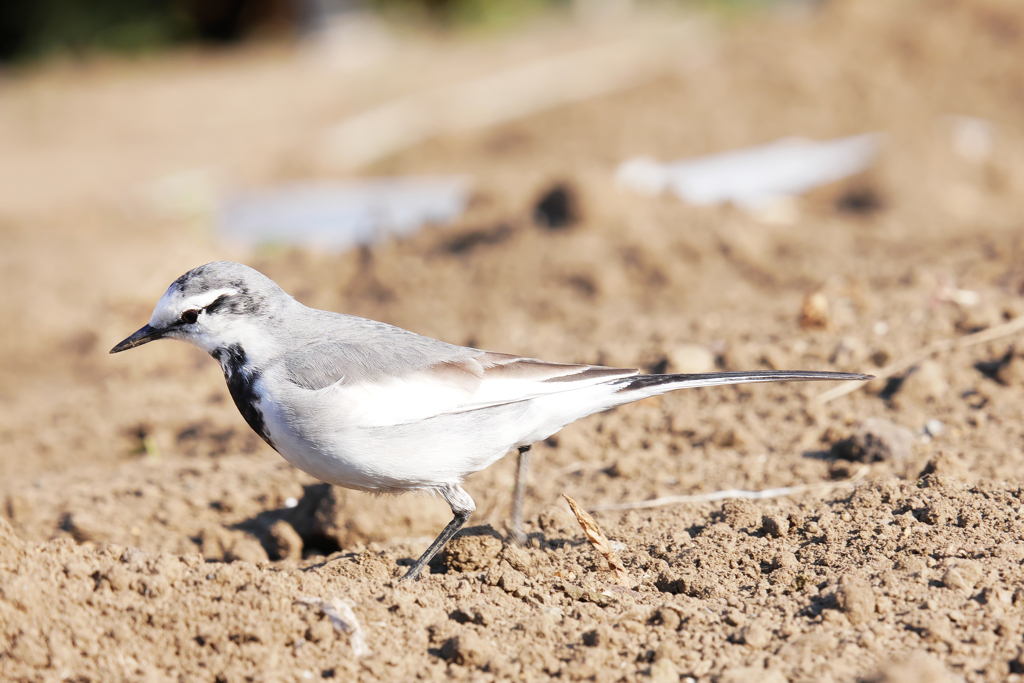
x: 212, y: 307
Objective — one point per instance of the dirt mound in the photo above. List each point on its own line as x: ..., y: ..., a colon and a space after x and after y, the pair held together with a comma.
x: 147, y: 534
x: 895, y: 567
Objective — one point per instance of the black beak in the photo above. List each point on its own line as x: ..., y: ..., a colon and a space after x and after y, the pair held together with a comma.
x: 143, y: 336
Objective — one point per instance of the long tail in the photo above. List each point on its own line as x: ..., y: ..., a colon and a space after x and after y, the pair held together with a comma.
x: 641, y: 386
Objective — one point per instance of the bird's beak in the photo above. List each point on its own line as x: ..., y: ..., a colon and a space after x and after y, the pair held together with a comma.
x: 142, y: 336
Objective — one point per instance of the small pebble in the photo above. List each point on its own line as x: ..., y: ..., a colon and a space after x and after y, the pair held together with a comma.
x: 814, y: 314
x: 855, y: 598
x: 468, y: 649
x: 876, y: 439
x: 776, y: 526
x: 756, y: 636
x: 690, y: 359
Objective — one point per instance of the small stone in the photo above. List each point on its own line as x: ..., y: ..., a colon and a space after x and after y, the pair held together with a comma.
x: 962, y: 575
x: 473, y: 549
x: 776, y: 526
x: 876, y: 440
x: 756, y: 636
x: 285, y: 541
x: 741, y: 514
x: 118, y: 577
x: 518, y: 558
x: 814, y: 312
x: 855, y: 598
x: 690, y: 359
x: 511, y: 580
x: 468, y: 649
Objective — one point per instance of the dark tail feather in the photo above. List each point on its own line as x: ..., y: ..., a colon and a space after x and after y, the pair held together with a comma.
x: 709, y: 379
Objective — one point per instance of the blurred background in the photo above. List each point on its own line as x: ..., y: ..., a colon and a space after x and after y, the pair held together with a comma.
x: 669, y: 185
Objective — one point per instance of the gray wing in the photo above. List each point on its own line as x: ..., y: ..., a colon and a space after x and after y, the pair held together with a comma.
x: 321, y: 365
x: 355, y: 350
x: 349, y: 350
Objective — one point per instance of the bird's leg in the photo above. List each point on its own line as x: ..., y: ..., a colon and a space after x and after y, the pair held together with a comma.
x: 522, y: 469
x: 462, y: 506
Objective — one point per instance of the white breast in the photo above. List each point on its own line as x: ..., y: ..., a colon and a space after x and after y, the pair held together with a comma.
x: 327, y: 434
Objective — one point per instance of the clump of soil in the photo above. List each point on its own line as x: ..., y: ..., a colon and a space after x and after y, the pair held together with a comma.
x: 896, y: 566
x: 146, y: 533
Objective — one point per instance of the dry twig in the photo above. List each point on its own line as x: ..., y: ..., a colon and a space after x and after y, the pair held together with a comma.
x: 343, y: 619
x: 991, y: 334
x: 599, y: 541
x: 733, y: 493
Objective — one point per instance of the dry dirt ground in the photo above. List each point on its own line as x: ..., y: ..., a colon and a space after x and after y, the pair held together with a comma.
x: 145, y: 534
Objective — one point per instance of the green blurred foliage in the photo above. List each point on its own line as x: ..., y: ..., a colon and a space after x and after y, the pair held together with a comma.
x: 34, y: 28
x: 30, y: 29
x: 739, y: 8
x: 485, y: 14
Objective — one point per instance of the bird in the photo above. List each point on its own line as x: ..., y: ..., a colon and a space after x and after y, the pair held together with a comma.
x: 372, y: 407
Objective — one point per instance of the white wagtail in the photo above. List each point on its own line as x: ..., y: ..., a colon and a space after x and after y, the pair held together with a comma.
x: 372, y: 407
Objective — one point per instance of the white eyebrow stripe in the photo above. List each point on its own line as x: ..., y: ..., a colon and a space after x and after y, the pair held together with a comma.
x: 204, y: 299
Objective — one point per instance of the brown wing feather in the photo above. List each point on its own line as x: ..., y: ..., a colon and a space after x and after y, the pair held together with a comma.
x: 465, y: 373
x: 502, y: 365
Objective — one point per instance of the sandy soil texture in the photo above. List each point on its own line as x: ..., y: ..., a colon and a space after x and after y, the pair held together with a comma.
x: 146, y: 534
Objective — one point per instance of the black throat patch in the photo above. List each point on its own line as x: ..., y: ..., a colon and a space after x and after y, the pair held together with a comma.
x: 241, y: 381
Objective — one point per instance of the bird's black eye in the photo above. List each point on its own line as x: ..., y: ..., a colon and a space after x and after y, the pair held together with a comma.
x: 189, y: 316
